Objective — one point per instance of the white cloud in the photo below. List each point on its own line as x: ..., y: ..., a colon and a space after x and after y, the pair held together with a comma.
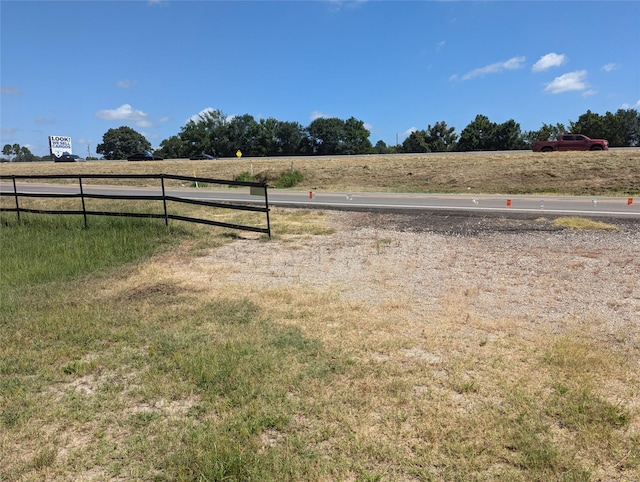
x: 568, y: 82
x: 337, y: 5
x: 630, y: 106
x: 610, y: 66
x: 125, y: 112
x: 10, y: 90
x: 126, y: 83
x: 511, y: 64
x: 316, y: 114
x: 198, y: 117
x: 547, y: 61
x: 44, y: 120
x: 409, y: 131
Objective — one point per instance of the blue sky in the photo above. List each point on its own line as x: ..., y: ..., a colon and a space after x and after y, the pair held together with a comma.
x: 79, y: 68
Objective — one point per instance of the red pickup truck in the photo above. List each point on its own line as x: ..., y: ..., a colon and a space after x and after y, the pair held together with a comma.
x: 571, y: 142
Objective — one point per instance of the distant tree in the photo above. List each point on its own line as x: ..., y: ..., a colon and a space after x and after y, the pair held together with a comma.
x: 325, y: 135
x: 122, y: 142
x: 508, y: 136
x: 172, y: 148
x: 621, y: 129
x: 329, y: 136
x: 629, y: 127
x: 356, y: 137
x: 545, y: 133
x: 416, y: 142
x: 19, y: 153
x: 590, y: 124
x: 7, y: 150
x: 381, y: 148
x: 441, y: 138
x: 478, y: 135
x: 291, y: 139
x: 243, y: 133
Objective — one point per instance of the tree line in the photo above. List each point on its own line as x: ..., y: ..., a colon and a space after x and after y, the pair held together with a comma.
x: 218, y: 135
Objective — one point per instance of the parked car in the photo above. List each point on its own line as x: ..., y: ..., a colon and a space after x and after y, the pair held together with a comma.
x: 68, y: 158
x: 202, y: 157
x: 571, y: 142
x: 144, y: 156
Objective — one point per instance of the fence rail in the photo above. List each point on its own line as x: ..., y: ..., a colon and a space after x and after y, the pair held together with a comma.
x: 256, y: 187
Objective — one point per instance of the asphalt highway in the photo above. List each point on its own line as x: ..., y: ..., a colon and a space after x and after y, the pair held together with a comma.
x: 472, y: 203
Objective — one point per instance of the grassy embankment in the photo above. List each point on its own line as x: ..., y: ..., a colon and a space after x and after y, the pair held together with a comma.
x: 615, y: 173
x: 111, y: 368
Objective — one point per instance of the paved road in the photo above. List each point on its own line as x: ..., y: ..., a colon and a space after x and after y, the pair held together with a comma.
x: 481, y: 204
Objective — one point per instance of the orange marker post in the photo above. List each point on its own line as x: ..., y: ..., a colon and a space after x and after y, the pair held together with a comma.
x: 508, y: 203
x: 629, y: 201
x: 310, y: 194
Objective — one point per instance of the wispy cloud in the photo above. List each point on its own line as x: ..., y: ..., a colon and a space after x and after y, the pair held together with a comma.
x: 610, y: 67
x: 126, y: 83
x: 316, y: 114
x: 198, y: 117
x: 548, y: 61
x: 125, y: 112
x: 568, y: 82
x: 43, y: 120
x: 511, y: 64
x: 337, y: 5
x: 10, y: 90
x: 631, y: 106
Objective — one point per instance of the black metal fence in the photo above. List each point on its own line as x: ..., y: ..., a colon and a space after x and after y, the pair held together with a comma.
x: 256, y: 188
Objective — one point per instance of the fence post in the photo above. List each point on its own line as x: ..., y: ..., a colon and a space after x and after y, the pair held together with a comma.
x: 164, y: 201
x: 266, y: 203
x: 15, y: 194
x: 84, y: 211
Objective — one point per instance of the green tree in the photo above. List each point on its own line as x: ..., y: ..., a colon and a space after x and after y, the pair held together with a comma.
x: 242, y: 134
x: 173, y: 148
x: 19, y: 153
x: 356, y: 137
x: 381, y: 148
x: 416, y: 142
x: 440, y: 138
x: 590, y: 124
x: 545, y: 133
x: 291, y: 139
x: 329, y: 136
x: 508, y: 136
x: 478, y: 135
x: 622, y: 128
x: 629, y: 127
x: 7, y: 150
x: 122, y: 142
x: 325, y: 135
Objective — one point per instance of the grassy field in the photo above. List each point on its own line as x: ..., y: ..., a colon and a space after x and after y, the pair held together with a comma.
x: 615, y: 173
x: 115, y: 366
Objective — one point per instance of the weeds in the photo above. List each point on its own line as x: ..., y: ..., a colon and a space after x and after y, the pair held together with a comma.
x: 577, y: 223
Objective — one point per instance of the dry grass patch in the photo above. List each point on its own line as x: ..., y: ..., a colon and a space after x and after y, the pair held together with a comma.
x: 351, y: 354
x: 578, y: 223
x: 578, y: 173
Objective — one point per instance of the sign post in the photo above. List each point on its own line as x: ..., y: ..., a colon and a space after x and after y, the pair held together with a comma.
x: 59, y: 145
